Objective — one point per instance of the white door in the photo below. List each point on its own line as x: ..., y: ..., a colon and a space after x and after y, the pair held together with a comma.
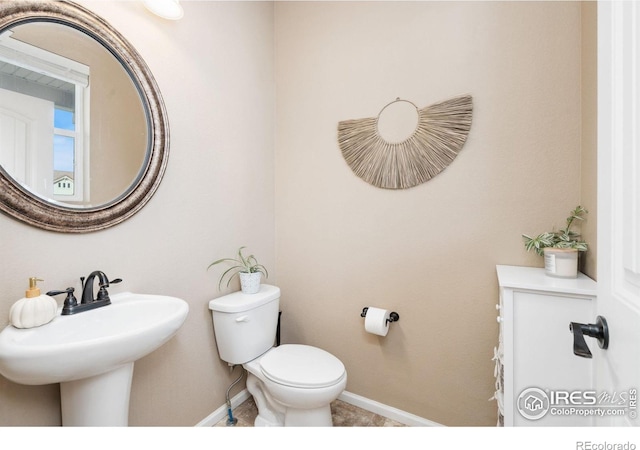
x: 618, y: 367
x: 26, y: 140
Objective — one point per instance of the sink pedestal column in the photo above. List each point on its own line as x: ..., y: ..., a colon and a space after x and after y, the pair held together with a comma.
x: 101, y: 400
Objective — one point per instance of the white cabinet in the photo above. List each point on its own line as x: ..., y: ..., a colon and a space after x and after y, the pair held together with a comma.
x: 539, y: 381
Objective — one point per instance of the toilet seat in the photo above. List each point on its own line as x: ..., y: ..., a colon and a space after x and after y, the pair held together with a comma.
x: 302, y: 366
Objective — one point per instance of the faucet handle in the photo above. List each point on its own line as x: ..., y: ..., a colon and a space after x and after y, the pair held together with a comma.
x: 108, y: 283
x: 69, y: 302
x: 52, y: 293
x: 103, y: 295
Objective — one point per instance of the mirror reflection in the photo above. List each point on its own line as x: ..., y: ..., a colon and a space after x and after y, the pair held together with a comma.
x: 73, y: 130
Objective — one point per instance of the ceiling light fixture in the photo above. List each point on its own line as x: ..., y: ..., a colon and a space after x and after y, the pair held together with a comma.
x: 167, y: 9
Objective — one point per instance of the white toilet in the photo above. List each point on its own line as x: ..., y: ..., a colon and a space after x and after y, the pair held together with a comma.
x: 292, y: 385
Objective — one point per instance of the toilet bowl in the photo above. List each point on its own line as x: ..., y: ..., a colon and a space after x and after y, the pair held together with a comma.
x: 292, y: 384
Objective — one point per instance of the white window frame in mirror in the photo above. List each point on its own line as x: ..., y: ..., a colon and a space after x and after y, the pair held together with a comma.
x: 47, y: 63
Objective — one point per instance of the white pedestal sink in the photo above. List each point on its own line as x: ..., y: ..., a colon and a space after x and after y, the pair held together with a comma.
x: 91, y: 354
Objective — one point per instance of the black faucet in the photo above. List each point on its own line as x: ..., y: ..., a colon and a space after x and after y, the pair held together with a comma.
x: 87, y: 287
x: 87, y: 303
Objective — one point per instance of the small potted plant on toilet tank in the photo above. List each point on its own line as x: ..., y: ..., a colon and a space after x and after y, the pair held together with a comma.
x: 246, y: 268
x: 560, y: 247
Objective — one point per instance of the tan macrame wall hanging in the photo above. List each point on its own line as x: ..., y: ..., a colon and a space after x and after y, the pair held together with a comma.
x: 440, y: 133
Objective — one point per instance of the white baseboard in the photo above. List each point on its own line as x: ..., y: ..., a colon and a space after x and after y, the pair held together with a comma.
x: 381, y: 409
x: 387, y: 411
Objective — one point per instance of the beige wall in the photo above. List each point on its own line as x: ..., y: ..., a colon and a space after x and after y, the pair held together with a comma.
x: 214, y: 69
x: 332, y: 242
x: 429, y: 252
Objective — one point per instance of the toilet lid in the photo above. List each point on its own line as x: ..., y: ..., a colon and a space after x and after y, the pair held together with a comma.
x: 301, y: 366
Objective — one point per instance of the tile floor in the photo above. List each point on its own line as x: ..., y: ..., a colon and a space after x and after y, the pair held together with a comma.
x: 344, y: 415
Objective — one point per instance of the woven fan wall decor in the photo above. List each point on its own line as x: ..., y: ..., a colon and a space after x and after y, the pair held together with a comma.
x: 441, y: 131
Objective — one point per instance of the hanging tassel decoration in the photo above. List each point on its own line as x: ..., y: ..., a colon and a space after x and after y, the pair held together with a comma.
x: 441, y: 133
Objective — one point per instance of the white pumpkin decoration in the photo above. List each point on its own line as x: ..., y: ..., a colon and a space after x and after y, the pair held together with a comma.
x: 33, y: 310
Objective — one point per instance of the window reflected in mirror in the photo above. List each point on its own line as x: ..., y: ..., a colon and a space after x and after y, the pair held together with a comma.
x: 41, y: 98
x: 73, y: 130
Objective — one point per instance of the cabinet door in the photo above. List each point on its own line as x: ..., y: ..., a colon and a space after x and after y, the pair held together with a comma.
x: 543, y: 353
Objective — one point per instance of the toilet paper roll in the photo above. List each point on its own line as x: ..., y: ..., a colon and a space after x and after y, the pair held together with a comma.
x: 376, y: 321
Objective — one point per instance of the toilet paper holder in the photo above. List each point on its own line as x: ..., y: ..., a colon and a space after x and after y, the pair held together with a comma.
x: 393, y: 316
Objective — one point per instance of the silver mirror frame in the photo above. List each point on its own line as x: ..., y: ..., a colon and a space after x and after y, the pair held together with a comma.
x: 26, y: 207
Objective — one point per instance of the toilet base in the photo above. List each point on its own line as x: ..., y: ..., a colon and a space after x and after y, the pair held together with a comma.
x: 318, y: 417
x: 272, y: 413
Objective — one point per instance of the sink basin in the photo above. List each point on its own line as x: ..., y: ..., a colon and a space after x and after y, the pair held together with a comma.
x: 91, y: 353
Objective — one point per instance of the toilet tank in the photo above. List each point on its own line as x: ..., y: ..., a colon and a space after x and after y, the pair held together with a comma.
x: 245, y: 324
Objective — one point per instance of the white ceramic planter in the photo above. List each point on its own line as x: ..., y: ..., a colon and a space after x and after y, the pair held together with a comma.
x: 561, y: 262
x: 250, y: 282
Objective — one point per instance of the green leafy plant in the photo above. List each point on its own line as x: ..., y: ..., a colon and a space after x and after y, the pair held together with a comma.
x: 563, y: 238
x: 241, y: 264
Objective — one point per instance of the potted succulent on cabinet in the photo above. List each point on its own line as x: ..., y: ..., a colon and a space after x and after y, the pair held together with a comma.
x: 560, y: 248
x: 246, y: 268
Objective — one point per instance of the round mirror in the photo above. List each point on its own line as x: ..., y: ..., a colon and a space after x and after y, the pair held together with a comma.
x: 83, y: 130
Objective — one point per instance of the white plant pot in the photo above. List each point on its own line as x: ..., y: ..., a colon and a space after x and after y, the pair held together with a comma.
x: 250, y: 282
x: 561, y: 262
